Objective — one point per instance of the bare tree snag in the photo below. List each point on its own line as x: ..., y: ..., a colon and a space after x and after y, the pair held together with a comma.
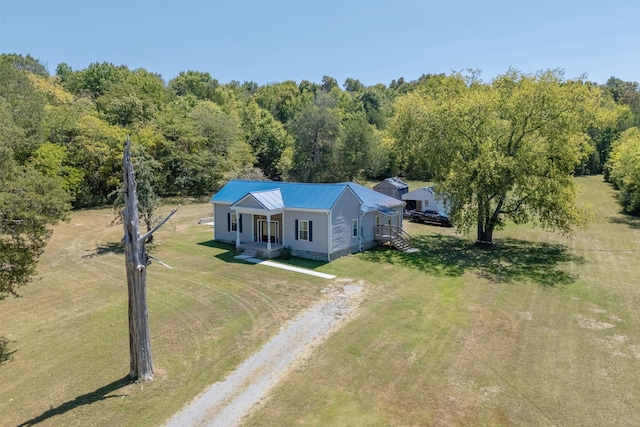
x: 137, y: 259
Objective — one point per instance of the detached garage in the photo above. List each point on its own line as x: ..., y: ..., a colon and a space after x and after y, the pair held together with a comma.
x: 425, y: 198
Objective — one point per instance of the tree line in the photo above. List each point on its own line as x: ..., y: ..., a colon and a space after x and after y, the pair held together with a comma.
x: 62, y: 136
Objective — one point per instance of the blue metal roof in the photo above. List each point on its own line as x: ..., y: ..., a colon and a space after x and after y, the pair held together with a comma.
x: 305, y: 195
x: 373, y: 200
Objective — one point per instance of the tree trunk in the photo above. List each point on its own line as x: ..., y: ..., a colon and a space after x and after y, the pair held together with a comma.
x: 485, y: 235
x: 137, y: 259
x: 486, y: 224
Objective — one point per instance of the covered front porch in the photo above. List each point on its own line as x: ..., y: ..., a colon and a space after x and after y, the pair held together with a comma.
x: 265, y: 209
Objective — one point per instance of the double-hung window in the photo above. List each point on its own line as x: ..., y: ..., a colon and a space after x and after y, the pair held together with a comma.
x: 233, y: 222
x: 354, y: 228
x: 303, y: 230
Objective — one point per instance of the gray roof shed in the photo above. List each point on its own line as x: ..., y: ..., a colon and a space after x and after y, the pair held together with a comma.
x: 393, y: 187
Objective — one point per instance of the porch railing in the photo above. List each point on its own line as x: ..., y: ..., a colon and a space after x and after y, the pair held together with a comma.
x: 389, y: 233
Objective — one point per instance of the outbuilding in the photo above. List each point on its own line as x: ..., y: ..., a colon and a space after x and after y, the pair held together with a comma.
x: 392, y: 187
x: 425, y: 198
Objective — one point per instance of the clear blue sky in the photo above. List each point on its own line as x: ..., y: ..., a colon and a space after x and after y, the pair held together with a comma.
x: 374, y: 41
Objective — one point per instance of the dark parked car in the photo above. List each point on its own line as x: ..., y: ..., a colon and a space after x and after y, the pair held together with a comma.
x: 431, y: 217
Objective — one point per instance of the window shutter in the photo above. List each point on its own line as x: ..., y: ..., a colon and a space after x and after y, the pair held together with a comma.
x: 296, y: 229
x: 228, y: 221
x: 310, y: 231
x: 240, y: 222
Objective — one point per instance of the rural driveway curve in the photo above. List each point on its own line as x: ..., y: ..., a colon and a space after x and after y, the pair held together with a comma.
x: 227, y: 402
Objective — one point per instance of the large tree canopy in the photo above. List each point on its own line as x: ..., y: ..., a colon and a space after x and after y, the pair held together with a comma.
x: 30, y: 201
x: 507, y: 149
x: 624, y: 169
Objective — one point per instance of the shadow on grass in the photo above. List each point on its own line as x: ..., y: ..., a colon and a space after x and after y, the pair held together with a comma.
x: 509, y: 260
x: 110, y: 248
x: 230, y: 252
x: 5, y: 354
x: 625, y: 219
x: 85, y: 399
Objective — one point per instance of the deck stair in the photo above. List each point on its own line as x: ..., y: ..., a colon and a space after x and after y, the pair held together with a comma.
x: 394, y: 237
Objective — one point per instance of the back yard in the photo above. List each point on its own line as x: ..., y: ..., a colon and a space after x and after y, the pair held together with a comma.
x: 544, y: 329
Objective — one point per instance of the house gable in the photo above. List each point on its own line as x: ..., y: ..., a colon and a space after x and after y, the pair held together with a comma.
x: 266, y: 200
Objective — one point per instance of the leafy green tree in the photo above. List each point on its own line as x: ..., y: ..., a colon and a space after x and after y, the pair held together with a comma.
x: 96, y: 149
x: 25, y: 63
x: 266, y: 136
x: 24, y: 108
x: 30, y: 202
x: 353, y: 85
x: 503, y: 150
x: 375, y: 102
x: 356, y: 141
x: 625, y: 93
x: 329, y: 83
x: 619, y: 89
x: 283, y: 100
x: 315, y: 131
x: 202, y: 143
x: 624, y: 169
x: 51, y: 160
x: 196, y: 83
x: 134, y: 99
x: 94, y: 81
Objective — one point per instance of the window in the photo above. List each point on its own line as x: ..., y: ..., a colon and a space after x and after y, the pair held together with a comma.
x: 303, y: 230
x: 234, y: 222
x: 354, y: 228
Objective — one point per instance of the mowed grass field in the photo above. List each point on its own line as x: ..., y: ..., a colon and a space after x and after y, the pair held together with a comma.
x: 541, y: 330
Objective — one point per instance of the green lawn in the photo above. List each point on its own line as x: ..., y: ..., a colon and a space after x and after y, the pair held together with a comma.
x: 542, y: 330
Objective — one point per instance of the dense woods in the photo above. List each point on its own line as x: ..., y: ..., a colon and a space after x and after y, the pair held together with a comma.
x: 61, y: 135
x: 193, y: 134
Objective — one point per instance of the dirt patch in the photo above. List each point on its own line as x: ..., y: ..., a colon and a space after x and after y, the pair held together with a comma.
x: 590, y: 323
x: 227, y: 402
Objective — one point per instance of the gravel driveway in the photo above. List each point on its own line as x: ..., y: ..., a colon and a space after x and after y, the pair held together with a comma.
x: 226, y: 403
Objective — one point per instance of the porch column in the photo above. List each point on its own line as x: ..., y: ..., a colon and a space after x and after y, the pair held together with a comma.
x: 268, y: 231
x: 237, y: 229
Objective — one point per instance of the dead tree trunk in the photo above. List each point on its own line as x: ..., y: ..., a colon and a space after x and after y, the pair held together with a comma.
x: 137, y: 259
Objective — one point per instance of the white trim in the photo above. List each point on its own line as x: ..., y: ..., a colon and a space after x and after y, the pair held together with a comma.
x: 329, y: 234
x: 362, y: 231
x: 256, y: 211
x: 282, y: 229
x: 300, y: 221
x: 261, y: 230
x: 269, y: 232
x: 233, y: 220
x: 308, y: 210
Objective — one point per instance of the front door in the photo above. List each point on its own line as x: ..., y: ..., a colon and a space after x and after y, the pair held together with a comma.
x: 263, y: 231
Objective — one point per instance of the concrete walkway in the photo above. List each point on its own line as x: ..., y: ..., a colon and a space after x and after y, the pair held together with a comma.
x: 285, y: 267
